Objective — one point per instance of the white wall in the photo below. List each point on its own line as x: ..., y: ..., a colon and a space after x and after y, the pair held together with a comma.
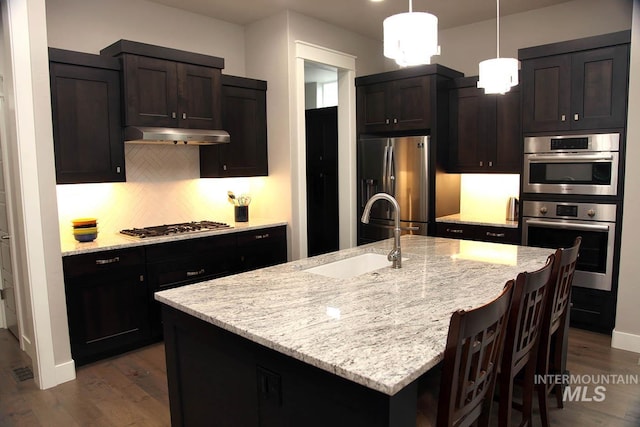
x: 44, y: 334
x: 626, y: 334
x: 464, y: 47
x: 271, y: 56
x: 90, y: 25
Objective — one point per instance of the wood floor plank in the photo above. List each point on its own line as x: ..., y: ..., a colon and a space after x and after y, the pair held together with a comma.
x: 131, y: 390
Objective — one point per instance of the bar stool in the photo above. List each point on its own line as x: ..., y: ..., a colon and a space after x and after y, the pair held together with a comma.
x: 554, y: 326
x: 521, y: 342
x: 469, y: 368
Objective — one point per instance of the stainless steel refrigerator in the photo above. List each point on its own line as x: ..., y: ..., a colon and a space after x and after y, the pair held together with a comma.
x: 398, y: 166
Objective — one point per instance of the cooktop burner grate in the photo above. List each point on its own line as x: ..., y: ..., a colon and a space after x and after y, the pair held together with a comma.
x: 169, y: 229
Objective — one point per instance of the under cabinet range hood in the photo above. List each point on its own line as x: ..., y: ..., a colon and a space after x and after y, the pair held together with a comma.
x: 157, y: 135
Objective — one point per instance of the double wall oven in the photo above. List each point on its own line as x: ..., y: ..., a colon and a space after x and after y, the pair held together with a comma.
x: 571, y: 187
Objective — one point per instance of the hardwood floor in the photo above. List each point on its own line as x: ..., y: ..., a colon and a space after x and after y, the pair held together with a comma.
x: 131, y: 389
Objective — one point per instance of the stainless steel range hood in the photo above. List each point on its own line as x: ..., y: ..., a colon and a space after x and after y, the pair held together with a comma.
x: 155, y: 135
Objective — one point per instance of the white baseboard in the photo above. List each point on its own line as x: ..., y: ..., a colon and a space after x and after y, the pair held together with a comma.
x: 66, y: 372
x: 625, y: 341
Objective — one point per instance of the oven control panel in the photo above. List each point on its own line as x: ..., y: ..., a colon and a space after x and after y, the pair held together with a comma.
x: 566, y: 210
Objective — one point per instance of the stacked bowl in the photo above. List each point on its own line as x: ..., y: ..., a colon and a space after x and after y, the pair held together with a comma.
x: 85, y: 229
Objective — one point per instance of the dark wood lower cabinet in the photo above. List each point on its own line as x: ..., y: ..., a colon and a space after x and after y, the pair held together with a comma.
x: 592, y: 309
x: 220, y: 379
x: 478, y: 232
x: 261, y: 248
x: 110, y: 294
x: 106, y: 303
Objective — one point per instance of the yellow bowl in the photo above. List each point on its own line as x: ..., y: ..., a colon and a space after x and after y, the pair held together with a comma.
x: 84, y: 222
x: 90, y: 230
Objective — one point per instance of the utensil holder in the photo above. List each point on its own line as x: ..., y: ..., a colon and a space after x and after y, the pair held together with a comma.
x: 241, y: 213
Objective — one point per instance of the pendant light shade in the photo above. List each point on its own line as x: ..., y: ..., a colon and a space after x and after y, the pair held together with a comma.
x: 411, y: 38
x: 498, y: 75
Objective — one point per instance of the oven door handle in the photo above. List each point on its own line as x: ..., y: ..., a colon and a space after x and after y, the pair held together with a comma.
x: 560, y: 158
x: 567, y: 225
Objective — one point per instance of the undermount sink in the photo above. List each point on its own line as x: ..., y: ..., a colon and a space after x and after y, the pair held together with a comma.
x: 351, y: 267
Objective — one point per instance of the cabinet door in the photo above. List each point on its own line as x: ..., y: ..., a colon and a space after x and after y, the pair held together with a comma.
x: 87, y: 135
x: 198, y: 97
x: 107, y: 303
x: 472, y: 115
x: 244, y: 116
x: 151, y: 92
x: 506, y: 154
x: 410, y: 103
x: 372, y: 108
x: 546, y: 86
x: 262, y: 248
x: 599, y: 88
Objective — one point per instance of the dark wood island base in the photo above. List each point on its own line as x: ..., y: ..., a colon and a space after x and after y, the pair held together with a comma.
x: 217, y: 378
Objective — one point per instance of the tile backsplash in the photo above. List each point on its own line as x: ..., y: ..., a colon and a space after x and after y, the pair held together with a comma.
x: 163, y: 186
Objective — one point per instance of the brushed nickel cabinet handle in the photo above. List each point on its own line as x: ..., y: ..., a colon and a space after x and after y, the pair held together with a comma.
x: 455, y: 230
x: 195, y: 273
x: 107, y: 260
x: 491, y: 234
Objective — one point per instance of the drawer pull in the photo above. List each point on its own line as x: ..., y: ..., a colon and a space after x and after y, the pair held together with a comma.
x: 262, y: 236
x: 491, y: 234
x: 195, y: 273
x: 455, y: 230
x: 107, y: 260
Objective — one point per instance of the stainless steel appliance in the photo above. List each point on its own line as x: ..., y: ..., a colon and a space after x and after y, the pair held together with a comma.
x: 572, y: 164
x: 553, y: 225
x: 169, y: 229
x: 397, y: 166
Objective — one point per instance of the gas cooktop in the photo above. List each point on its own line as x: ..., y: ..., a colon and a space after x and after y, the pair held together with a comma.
x: 171, y: 229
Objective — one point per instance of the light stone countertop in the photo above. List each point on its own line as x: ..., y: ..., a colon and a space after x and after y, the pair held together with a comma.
x: 474, y: 220
x: 381, y: 329
x: 114, y: 240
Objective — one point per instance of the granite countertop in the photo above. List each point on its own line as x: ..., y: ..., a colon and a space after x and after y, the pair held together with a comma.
x: 115, y: 240
x: 381, y: 329
x: 474, y: 220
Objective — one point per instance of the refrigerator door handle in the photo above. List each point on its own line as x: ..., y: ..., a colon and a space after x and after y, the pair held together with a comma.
x: 392, y: 172
x: 385, y: 168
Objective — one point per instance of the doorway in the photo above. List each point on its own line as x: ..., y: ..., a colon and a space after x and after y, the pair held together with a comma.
x: 344, y: 64
x: 8, y: 312
x: 322, y: 180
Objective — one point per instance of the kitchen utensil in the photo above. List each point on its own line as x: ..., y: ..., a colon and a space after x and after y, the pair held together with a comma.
x: 512, y: 209
x: 244, y: 200
x: 232, y: 198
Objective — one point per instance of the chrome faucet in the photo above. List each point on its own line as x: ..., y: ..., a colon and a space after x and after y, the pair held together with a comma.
x: 395, y: 256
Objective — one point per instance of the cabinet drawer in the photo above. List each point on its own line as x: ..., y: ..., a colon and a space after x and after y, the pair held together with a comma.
x: 184, y: 270
x: 264, y: 236
x: 454, y: 231
x: 592, y: 309
x: 103, y: 262
x: 188, y: 247
x: 498, y: 235
x: 478, y: 232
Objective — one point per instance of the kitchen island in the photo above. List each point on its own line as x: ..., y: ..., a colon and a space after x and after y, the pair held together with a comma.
x: 288, y: 346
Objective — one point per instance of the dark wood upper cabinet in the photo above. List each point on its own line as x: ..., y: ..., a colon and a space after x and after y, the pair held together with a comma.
x: 244, y: 116
x: 166, y: 87
x: 485, y: 133
x: 405, y: 100
x: 576, y: 85
x: 85, y: 103
x: 403, y: 104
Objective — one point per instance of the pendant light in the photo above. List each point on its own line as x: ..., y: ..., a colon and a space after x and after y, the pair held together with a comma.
x: 411, y: 38
x: 498, y: 75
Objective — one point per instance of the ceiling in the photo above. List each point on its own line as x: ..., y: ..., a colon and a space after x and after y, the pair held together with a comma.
x: 361, y: 16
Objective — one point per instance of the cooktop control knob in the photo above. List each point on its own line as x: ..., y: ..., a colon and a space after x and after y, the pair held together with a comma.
x: 591, y: 213
x: 543, y: 210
